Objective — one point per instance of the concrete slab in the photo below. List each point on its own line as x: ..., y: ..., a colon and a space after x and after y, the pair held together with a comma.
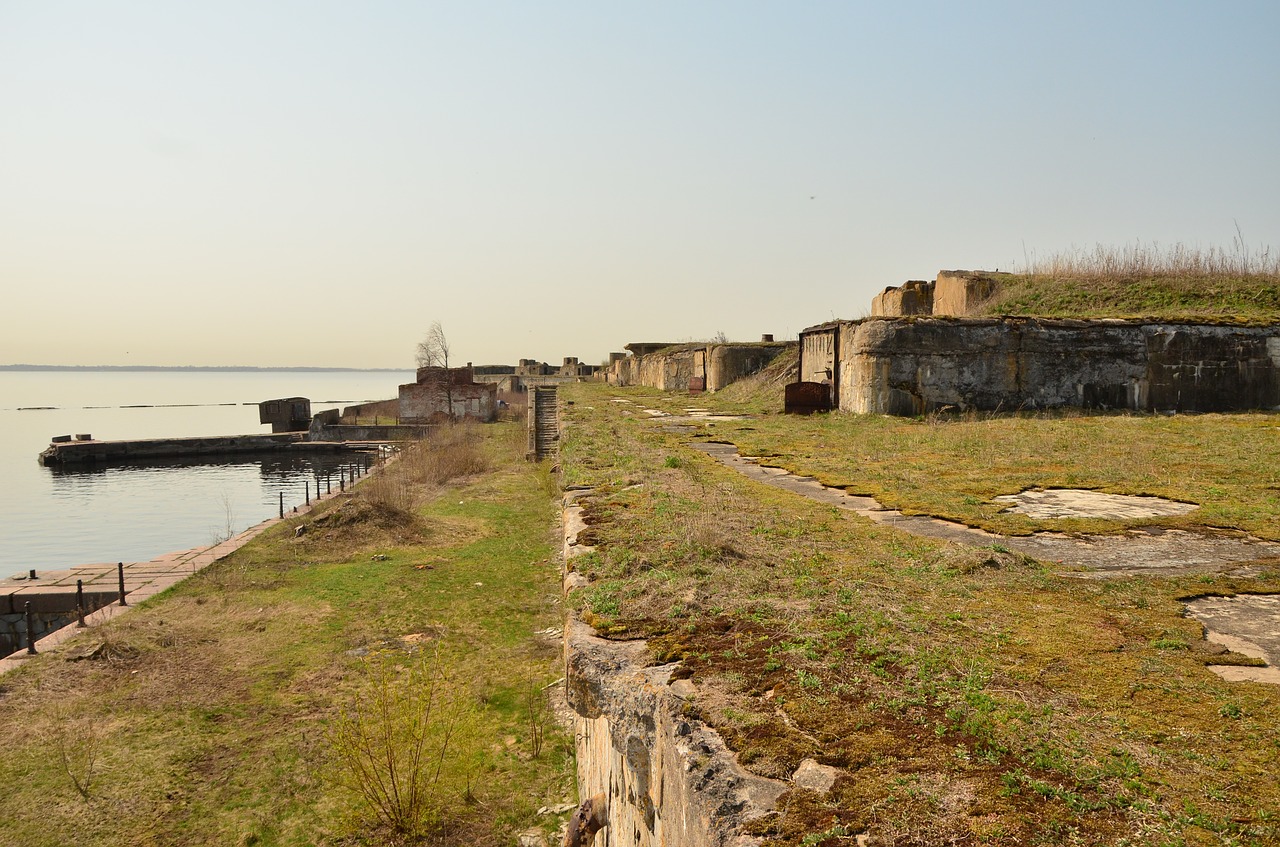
x: 1048, y: 504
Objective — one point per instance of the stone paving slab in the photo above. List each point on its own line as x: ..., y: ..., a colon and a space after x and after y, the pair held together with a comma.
x: 1052, y: 503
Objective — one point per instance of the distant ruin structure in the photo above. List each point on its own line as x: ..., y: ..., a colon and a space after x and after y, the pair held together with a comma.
x: 441, y: 394
x: 288, y: 414
x: 531, y: 373
x: 691, y: 367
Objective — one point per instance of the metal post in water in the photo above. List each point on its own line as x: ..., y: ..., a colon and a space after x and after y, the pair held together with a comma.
x: 307, y: 483
x: 282, y: 504
x: 328, y: 486
x: 31, y: 632
x: 342, y: 483
x: 80, y: 603
x: 120, y: 571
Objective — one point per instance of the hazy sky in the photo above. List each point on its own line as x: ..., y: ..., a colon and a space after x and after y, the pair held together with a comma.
x: 313, y: 183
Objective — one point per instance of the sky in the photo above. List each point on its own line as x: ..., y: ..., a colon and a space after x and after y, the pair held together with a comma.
x: 248, y: 182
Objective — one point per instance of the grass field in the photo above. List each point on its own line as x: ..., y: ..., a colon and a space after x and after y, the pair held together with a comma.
x: 215, y: 713
x: 969, y: 696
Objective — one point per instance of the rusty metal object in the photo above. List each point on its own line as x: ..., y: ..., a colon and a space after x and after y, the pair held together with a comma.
x: 589, y: 818
x: 805, y: 398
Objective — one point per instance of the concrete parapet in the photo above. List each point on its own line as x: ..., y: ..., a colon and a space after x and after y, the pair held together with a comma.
x: 959, y: 293
x: 915, y: 366
x: 661, y: 776
x: 914, y: 297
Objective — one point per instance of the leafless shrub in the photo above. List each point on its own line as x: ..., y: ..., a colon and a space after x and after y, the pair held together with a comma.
x: 401, y: 742
x: 76, y: 743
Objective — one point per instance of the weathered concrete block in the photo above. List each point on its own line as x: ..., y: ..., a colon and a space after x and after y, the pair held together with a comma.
x: 958, y: 293
x: 914, y: 297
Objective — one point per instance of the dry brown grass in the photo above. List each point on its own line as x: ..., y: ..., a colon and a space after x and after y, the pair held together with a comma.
x: 453, y: 452
x: 1151, y: 261
x: 1146, y: 281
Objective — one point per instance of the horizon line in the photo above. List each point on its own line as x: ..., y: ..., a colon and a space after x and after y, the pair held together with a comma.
x: 35, y: 367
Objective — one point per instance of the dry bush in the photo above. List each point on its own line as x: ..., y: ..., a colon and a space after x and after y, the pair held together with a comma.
x: 453, y: 450
x: 404, y: 741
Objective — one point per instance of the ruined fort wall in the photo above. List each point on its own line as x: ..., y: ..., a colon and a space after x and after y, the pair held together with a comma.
x: 676, y: 368
x: 914, y: 366
x: 660, y: 776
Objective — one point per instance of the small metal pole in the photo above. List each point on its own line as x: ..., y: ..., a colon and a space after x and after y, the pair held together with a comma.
x: 282, y: 504
x: 120, y: 571
x: 31, y: 574
x: 342, y: 483
x: 328, y: 486
x: 308, y: 485
x: 80, y: 603
x: 31, y: 632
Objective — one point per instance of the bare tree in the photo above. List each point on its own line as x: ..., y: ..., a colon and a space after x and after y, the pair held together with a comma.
x: 433, y: 352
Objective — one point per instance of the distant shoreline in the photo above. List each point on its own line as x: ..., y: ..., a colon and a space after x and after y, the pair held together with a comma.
x: 190, y: 368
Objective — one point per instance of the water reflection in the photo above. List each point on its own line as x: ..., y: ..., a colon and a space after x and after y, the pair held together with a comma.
x: 139, y: 510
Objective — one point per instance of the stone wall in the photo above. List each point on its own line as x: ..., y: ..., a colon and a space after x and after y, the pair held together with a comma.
x: 913, y: 366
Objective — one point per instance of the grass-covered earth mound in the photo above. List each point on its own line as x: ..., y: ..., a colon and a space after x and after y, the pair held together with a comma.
x: 1177, y: 284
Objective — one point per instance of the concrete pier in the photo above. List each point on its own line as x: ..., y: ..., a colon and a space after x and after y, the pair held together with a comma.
x: 83, y: 452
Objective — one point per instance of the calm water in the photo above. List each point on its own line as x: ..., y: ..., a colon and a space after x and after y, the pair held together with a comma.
x: 56, y: 518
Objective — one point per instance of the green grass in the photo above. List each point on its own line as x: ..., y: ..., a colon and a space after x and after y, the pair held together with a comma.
x: 952, y: 467
x: 971, y: 695
x: 208, y: 710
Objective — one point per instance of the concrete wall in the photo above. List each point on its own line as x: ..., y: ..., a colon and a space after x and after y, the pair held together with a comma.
x: 953, y: 293
x: 80, y: 452
x: 359, y: 432
x: 672, y: 369
x: 914, y: 297
x: 913, y: 366
x: 375, y: 409
x: 667, y: 780
x: 818, y: 353
x: 959, y: 293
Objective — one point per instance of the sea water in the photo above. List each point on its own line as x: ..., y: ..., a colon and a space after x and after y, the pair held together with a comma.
x: 55, y: 518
